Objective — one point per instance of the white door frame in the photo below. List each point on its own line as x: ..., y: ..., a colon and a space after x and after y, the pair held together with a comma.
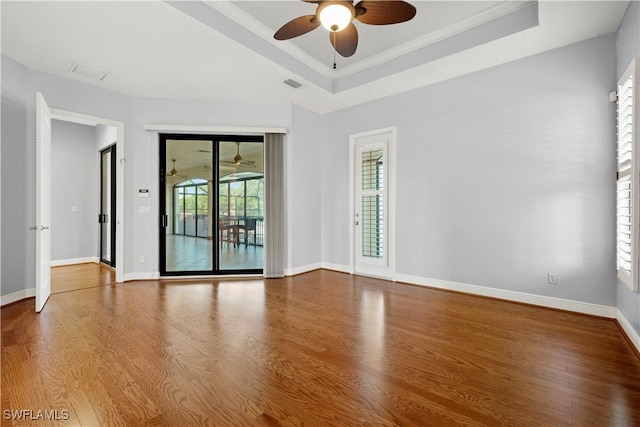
x: 84, y: 119
x: 391, y: 196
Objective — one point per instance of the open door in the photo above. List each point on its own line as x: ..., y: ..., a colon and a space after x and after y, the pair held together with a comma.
x: 43, y: 202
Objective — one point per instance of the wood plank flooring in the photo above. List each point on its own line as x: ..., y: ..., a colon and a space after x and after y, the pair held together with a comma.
x: 80, y: 276
x: 319, y: 349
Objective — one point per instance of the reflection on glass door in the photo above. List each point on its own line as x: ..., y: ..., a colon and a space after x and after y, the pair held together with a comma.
x: 212, y: 204
x: 186, y: 181
x: 191, y: 208
x: 107, y: 215
x: 241, y: 205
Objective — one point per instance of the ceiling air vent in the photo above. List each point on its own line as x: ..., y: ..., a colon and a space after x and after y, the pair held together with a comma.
x: 86, y: 71
x: 294, y: 84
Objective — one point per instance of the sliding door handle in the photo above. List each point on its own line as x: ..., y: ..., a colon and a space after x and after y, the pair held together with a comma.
x: 164, y: 220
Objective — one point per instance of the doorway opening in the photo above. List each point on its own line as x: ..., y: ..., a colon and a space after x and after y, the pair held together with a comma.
x: 211, y: 204
x: 105, y: 129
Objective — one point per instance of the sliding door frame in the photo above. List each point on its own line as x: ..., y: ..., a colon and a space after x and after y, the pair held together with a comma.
x: 215, y: 172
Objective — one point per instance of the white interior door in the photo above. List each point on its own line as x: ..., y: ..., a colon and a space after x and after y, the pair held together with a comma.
x: 43, y: 201
x: 373, y: 216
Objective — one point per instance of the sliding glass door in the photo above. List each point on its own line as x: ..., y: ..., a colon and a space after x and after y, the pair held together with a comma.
x: 211, y: 206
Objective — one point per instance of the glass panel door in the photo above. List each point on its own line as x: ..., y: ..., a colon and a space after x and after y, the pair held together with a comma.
x: 241, y: 205
x: 185, y: 232
x: 107, y: 206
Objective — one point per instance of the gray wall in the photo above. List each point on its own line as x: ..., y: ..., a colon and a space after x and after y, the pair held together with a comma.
x: 19, y: 86
x: 17, y: 241
x: 18, y: 272
x: 628, y: 47
x: 143, y: 153
x: 75, y: 183
x: 504, y: 175
x: 305, y: 172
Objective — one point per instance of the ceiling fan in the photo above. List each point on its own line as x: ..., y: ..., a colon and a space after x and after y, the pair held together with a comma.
x: 337, y: 16
x: 238, y: 161
x: 173, y: 173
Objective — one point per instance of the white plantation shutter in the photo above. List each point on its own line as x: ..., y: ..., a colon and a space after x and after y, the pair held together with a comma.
x: 372, y: 203
x: 627, y: 213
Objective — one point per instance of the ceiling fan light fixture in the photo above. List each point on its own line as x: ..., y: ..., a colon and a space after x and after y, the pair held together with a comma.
x: 335, y: 16
x: 173, y: 173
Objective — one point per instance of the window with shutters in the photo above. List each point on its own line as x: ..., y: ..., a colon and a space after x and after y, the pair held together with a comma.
x: 372, y: 209
x: 627, y: 213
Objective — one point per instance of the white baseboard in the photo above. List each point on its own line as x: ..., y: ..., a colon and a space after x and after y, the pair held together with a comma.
x: 303, y: 269
x: 17, y: 296
x: 632, y: 334
x: 540, y: 300
x: 146, y: 275
x: 336, y: 267
x: 72, y: 261
x: 155, y: 275
x: 318, y: 265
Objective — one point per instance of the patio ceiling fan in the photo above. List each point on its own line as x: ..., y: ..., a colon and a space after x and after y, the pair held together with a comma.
x: 238, y: 161
x: 337, y: 16
x: 173, y: 173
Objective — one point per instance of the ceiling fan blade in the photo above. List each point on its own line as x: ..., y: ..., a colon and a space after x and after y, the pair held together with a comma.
x: 345, y: 42
x: 297, y: 27
x: 380, y: 12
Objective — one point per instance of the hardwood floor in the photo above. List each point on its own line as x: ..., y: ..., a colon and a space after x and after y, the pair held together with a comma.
x: 80, y: 276
x: 319, y: 349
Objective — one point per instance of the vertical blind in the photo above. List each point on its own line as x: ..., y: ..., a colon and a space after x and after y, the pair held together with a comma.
x: 625, y: 229
x: 274, y: 205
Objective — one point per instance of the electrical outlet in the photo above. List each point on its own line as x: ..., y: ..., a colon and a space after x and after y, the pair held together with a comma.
x: 552, y: 278
x: 141, y: 259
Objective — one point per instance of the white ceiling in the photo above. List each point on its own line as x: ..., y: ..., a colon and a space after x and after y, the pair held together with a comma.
x: 430, y: 18
x: 225, y: 50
